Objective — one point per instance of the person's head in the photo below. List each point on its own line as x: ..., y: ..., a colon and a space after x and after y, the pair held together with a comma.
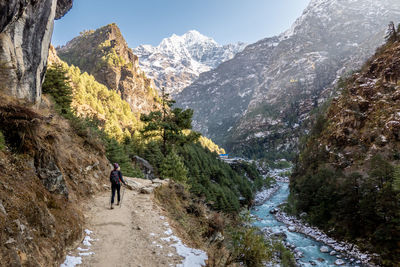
x: 116, y: 166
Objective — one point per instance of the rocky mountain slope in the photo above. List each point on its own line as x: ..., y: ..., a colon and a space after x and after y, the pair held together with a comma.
x: 259, y: 102
x: 105, y: 54
x: 46, y: 170
x: 178, y: 60
x: 347, y: 177
x: 25, y: 32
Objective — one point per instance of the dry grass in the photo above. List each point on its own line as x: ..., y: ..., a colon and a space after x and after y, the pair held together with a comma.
x: 194, y: 222
x: 40, y: 225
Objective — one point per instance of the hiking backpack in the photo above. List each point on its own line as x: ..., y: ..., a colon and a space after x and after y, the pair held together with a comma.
x: 115, y: 177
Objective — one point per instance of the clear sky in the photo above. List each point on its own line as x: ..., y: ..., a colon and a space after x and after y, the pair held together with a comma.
x: 149, y: 21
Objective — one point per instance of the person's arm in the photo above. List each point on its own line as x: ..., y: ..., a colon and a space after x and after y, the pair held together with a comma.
x: 110, y: 177
x: 121, y: 178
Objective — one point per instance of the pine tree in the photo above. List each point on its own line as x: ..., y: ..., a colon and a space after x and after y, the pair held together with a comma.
x: 169, y: 124
x: 391, y: 33
x: 57, y: 84
x: 174, y: 168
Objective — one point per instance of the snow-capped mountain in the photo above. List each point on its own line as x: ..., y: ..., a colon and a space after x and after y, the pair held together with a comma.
x: 178, y: 60
x: 259, y: 102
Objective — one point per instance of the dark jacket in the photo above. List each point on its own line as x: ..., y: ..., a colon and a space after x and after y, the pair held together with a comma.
x: 120, y: 177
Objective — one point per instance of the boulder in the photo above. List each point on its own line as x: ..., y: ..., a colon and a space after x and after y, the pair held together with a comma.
x: 324, y: 249
x: 49, y: 173
x: 145, y: 167
x: 291, y: 228
x: 339, y: 262
x: 146, y: 190
x: 332, y: 253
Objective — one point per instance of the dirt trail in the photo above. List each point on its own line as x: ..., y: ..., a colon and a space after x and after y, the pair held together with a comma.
x: 129, y: 235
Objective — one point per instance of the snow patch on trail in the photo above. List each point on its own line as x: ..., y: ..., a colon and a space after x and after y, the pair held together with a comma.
x: 191, y: 257
x: 72, y: 261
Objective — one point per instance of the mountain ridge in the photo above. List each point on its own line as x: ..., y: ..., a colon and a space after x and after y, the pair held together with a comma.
x: 258, y: 103
x: 178, y: 60
x: 105, y: 54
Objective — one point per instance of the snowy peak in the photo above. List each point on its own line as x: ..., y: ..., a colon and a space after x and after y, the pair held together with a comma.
x: 179, y: 59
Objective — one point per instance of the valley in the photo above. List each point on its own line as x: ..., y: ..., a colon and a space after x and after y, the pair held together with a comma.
x: 279, y: 152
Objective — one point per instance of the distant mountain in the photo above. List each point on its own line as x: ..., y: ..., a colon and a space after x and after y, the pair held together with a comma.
x: 105, y: 54
x: 179, y: 60
x: 259, y: 103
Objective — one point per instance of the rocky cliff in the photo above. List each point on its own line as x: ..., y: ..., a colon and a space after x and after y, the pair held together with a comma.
x: 347, y: 177
x: 105, y: 54
x: 259, y: 102
x: 178, y: 60
x: 25, y: 32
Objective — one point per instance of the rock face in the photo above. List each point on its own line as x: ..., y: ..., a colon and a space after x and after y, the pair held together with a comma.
x: 105, y: 54
x: 145, y: 167
x: 25, y: 33
x: 179, y: 60
x: 259, y: 102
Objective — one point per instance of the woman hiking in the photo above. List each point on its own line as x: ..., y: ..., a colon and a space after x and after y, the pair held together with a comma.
x: 116, y: 179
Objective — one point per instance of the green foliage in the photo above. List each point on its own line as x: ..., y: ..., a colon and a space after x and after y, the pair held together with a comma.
x: 249, y: 248
x: 57, y: 85
x: 93, y: 100
x: 173, y: 168
x: 169, y: 125
x: 332, y: 199
x: 2, y: 141
x: 396, y: 178
x: 287, y: 258
x: 223, y: 186
x: 116, y: 154
x: 210, y: 145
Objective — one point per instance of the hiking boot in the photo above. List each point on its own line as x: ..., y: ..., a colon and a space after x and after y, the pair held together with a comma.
x: 112, y: 206
x: 118, y: 203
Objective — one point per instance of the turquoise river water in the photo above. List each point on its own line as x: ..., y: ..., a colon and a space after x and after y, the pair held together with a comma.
x: 308, y: 246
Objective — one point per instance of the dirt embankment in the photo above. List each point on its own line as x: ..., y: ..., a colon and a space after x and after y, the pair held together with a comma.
x: 45, y: 170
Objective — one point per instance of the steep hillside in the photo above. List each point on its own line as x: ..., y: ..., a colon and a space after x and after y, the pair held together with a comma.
x: 105, y: 55
x: 91, y: 99
x: 178, y: 60
x: 258, y: 103
x: 347, y: 177
x: 46, y: 169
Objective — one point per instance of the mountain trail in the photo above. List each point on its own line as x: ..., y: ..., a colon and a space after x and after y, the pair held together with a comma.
x: 135, y: 234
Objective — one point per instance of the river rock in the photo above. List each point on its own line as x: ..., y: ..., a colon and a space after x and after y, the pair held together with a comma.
x: 274, y: 211
x: 320, y: 260
x: 339, y: 262
x: 332, y: 253
x: 291, y: 228
x: 312, y: 263
x: 324, y: 249
x: 279, y: 235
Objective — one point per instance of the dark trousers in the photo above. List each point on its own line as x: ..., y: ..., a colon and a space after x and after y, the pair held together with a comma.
x: 113, y: 188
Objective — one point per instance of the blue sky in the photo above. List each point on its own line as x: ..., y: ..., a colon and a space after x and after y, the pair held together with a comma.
x: 149, y: 21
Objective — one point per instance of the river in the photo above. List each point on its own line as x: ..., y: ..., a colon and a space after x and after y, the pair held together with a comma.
x: 304, y: 245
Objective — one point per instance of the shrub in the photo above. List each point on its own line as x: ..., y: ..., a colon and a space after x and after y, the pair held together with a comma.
x: 2, y: 141
x: 173, y: 168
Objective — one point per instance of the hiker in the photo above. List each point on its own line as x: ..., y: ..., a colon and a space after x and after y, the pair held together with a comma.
x: 116, y: 179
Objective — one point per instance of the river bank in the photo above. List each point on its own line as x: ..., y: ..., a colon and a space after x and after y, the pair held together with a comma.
x: 320, y: 250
